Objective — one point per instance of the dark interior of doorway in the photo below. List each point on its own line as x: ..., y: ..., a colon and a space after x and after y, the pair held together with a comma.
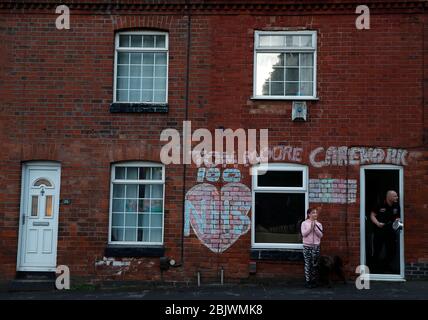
x: 378, y: 182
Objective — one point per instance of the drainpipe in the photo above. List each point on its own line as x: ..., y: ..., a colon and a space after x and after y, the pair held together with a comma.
x: 186, y: 117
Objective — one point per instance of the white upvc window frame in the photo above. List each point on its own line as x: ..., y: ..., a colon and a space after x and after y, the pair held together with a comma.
x: 256, y: 189
x: 143, y: 50
x: 283, y: 49
x: 113, y: 181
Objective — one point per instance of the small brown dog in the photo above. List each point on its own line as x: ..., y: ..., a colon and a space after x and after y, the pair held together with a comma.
x: 328, y: 268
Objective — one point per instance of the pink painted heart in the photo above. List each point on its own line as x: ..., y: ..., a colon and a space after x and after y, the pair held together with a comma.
x: 218, y: 218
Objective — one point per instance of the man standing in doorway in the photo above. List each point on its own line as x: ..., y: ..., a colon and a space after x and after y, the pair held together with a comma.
x: 385, y: 237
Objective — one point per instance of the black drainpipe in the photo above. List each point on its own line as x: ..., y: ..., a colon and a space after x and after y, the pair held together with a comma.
x: 186, y: 117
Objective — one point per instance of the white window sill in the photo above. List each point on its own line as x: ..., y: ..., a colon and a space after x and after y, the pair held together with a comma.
x: 286, y: 98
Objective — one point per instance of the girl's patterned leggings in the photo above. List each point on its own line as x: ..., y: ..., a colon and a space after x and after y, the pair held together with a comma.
x: 311, y: 256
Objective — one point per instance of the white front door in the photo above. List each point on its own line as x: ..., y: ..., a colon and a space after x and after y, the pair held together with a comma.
x: 38, y: 230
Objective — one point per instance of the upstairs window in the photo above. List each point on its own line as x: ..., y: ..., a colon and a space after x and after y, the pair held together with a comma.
x: 141, y: 67
x: 285, y: 65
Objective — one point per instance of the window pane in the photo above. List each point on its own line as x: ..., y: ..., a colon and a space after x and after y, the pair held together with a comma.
x: 306, y: 74
x: 131, y: 205
x: 147, y: 83
x: 160, y: 42
x: 131, y: 220
x: 122, y: 95
x: 306, y: 59
x: 134, y: 95
x: 131, y: 191
x: 157, y: 206
x: 122, y: 83
x: 136, y: 58
x: 118, y: 205
x: 148, y: 41
x: 277, y: 88
x: 135, y: 71
x: 49, y: 206
x: 145, y: 173
x: 117, y: 234
x: 135, y: 83
x: 118, y: 220
x: 277, y: 74
x: 118, y: 191
x: 272, y: 41
x: 123, y: 58
x: 292, y: 74
x: 147, y: 96
x: 157, y: 191
x: 159, y: 96
x: 148, y: 58
x: 265, y: 68
x: 144, y: 220
x: 148, y: 71
x: 156, y: 235
x: 120, y: 173
x: 143, y: 235
x: 280, y: 179
x: 123, y: 71
x: 41, y: 181
x: 130, y: 234
x: 293, y: 41
x: 144, y: 206
x: 291, y: 88
x: 277, y: 216
x: 136, y: 41
x: 144, y: 191
x: 160, y: 71
x: 124, y: 41
x: 132, y: 173
x: 156, y: 220
x: 306, y: 41
x: 157, y: 173
x: 161, y: 58
x: 160, y: 83
x: 306, y: 88
x: 292, y: 59
x: 34, y: 205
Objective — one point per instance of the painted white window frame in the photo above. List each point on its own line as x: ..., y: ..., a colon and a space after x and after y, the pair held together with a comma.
x: 256, y: 189
x: 381, y: 277
x: 138, y: 182
x: 258, y: 49
x: 143, y: 50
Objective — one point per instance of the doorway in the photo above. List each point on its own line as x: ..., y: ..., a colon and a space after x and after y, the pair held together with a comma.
x: 376, y: 180
x: 38, y: 223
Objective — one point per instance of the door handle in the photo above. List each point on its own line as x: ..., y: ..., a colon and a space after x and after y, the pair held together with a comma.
x: 23, y: 219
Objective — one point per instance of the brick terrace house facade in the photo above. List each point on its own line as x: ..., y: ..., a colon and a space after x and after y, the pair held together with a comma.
x: 82, y: 111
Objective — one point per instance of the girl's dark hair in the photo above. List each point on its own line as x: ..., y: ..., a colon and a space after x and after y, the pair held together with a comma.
x: 310, y: 210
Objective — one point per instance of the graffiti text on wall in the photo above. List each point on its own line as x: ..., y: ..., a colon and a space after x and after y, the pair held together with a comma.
x: 218, y: 218
x: 342, y: 156
x: 332, y: 190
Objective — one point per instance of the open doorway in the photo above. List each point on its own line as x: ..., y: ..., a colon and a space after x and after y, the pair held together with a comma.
x: 385, y: 260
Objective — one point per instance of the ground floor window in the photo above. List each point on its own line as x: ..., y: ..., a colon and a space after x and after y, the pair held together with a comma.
x: 137, y: 203
x: 280, y: 196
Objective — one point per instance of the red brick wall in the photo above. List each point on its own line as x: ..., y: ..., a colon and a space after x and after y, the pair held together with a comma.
x: 56, y: 88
